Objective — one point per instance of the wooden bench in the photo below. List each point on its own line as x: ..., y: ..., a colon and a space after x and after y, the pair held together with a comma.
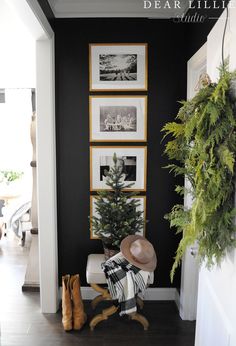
x: 95, y: 278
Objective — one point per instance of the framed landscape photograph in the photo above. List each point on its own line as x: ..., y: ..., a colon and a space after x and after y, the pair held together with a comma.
x: 141, y: 207
x: 132, y: 160
x: 118, y: 118
x: 118, y: 66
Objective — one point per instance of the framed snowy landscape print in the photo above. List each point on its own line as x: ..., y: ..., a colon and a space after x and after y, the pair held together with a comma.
x: 118, y: 118
x: 141, y: 207
x: 118, y: 66
x: 132, y: 161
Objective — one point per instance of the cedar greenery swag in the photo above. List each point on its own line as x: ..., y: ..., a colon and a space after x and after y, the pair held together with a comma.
x: 117, y: 211
x: 202, y: 149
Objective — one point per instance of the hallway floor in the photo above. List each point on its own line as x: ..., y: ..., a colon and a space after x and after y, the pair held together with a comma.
x: 22, y: 324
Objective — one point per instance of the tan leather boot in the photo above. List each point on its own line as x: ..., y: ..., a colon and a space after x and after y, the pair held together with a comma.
x: 79, y: 316
x: 66, y: 303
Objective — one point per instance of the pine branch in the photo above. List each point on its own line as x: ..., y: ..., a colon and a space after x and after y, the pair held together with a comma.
x: 204, y: 144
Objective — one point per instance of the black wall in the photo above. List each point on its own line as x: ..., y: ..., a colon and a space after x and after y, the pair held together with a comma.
x: 170, y: 46
x: 167, y: 84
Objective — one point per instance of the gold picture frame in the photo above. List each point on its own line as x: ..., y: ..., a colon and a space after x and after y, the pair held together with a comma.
x: 128, y: 64
x: 143, y: 201
x: 132, y: 113
x: 134, y: 160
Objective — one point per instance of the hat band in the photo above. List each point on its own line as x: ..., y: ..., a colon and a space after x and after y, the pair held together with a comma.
x: 137, y: 260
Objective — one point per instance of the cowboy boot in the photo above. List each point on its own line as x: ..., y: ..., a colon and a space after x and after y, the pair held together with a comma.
x: 79, y: 316
x: 66, y: 303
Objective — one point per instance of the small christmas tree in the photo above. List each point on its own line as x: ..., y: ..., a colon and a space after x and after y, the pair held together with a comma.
x: 117, y: 211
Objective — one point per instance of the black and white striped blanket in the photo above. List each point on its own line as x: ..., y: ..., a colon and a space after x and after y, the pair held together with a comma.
x: 124, y: 282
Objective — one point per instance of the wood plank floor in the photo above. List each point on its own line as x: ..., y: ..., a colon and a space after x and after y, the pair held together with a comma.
x: 22, y: 324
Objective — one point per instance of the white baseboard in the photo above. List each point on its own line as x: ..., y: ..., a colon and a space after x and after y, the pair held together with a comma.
x: 154, y: 293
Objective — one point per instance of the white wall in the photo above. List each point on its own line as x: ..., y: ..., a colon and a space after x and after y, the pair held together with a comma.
x: 17, y: 58
x: 216, y: 311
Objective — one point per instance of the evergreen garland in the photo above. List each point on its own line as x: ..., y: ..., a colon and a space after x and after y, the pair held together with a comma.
x: 203, y: 144
x: 117, y: 210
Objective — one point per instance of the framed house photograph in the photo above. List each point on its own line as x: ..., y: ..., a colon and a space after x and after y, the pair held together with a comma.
x: 141, y: 207
x: 118, y: 118
x: 118, y: 66
x: 133, y: 162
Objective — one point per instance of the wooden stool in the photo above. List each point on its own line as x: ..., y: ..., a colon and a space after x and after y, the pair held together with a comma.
x: 96, y: 277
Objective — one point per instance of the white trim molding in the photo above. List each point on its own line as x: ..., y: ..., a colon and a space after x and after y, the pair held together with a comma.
x: 197, y: 61
x: 41, y: 18
x: 154, y: 293
x: 46, y: 172
x: 190, y: 266
x: 121, y: 8
x: 31, y: 14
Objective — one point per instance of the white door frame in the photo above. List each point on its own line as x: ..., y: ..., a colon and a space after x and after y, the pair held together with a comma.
x: 31, y: 14
x: 190, y: 269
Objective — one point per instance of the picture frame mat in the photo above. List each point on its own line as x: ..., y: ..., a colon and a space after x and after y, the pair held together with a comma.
x: 120, y: 151
x: 113, y: 100
x: 118, y: 48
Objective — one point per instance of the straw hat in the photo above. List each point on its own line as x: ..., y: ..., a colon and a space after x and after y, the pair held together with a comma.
x: 139, y: 252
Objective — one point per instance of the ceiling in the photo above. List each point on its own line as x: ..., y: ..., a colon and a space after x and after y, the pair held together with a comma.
x: 117, y: 8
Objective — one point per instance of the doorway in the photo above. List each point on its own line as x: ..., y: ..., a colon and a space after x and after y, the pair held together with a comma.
x: 30, y: 13
x: 17, y: 82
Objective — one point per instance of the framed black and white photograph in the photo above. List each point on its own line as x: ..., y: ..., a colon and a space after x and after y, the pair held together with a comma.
x: 132, y: 160
x: 118, y: 66
x: 142, y: 207
x: 118, y: 118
